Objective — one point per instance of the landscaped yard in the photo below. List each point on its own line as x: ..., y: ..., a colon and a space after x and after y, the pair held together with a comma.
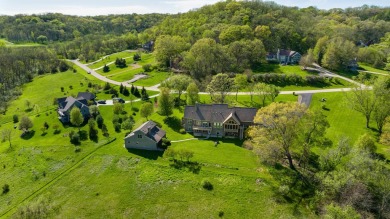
x: 285, y: 69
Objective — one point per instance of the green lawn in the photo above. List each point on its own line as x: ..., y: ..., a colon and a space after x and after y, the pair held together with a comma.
x: 9, y: 44
x: 366, y: 67
x: 277, y: 68
x: 154, y: 77
x: 344, y: 122
x: 112, y: 58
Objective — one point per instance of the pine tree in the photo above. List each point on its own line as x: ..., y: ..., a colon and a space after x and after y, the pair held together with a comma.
x: 132, y: 89
x: 121, y: 89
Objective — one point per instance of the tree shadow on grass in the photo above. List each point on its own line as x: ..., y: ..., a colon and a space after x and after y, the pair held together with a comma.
x: 194, y: 167
x: 174, y: 123
x: 151, y: 155
x: 28, y: 135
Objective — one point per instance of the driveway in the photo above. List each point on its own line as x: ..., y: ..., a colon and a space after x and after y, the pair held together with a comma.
x: 305, y: 99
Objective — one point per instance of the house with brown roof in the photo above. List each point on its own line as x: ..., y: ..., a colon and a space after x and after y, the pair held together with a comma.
x: 284, y: 57
x: 146, y: 137
x: 217, y: 120
x: 66, y: 104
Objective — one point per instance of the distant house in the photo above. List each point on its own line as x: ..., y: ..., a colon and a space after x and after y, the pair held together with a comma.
x: 146, y: 137
x: 353, y: 65
x: 217, y: 120
x: 148, y: 46
x: 284, y: 57
x: 66, y: 104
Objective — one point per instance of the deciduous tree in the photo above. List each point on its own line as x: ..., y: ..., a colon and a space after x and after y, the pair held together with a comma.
x: 146, y: 110
x: 219, y: 86
x: 76, y: 118
x: 165, y: 102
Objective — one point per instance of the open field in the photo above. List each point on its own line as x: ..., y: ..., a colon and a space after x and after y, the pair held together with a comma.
x: 108, y: 180
x: 345, y: 122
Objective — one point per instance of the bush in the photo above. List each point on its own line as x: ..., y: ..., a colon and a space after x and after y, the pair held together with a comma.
x: 165, y: 143
x: 147, y: 67
x: 117, y: 127
x: 207, y: 185
x: 137, y: 57
x: 5, y: 188
x: 182, y: 131
x: 74, y: 137
x: 15, y: 118
x: 135, y: 109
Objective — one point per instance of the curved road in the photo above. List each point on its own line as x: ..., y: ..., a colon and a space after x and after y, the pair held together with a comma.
x: 155, y: 87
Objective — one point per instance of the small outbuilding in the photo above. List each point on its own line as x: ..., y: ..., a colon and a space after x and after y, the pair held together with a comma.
x: 146, y: 137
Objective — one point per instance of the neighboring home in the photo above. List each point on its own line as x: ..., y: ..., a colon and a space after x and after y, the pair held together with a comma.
x: 353, y: 65
x: 148, y: 46
x: 146, y: 137
x: 66, y: 104
x: 284, y: 57
x: 217, y: 120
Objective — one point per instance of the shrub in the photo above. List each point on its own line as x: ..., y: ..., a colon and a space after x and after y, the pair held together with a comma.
x: 182, y: 131
x: 15, y: 118
x: 147, y: 67
x: 74, y: 137
x: 137, y: 57
x: 117, y: 127
x: 207, y: 185
x: 165, y: 143
x: 5, y: 188
x: 221, y: 213
x: 135, y: 109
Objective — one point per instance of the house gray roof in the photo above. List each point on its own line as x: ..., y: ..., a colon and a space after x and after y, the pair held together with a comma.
x: 85, y: 95
x: 67, y: 103
x: 219, y: 113
x: 151, y: 130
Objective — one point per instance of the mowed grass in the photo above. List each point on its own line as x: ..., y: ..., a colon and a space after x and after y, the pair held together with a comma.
x: 277, y: 68
x: 366, y: 67
x: 9, y: 44
x: 111, y: 58
x: 345, y: 122
x: 154, y: 77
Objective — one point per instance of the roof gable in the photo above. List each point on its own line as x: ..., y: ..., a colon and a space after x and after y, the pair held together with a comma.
x: 151, y: 130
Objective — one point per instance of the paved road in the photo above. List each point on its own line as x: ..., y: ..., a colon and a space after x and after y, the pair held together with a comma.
x: 155, y: 87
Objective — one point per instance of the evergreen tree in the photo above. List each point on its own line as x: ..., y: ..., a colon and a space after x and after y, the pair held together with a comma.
x: 121, y: 89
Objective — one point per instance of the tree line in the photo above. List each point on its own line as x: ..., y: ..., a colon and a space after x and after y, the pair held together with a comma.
x: 21, y: 65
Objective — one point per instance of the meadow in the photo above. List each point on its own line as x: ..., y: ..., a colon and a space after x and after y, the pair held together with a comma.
x: 103, y: 179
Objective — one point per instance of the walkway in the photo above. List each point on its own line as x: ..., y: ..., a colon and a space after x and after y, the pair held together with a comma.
x: 189, y: 139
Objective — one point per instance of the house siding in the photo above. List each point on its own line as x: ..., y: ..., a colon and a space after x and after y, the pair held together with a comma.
x: 144, y: 143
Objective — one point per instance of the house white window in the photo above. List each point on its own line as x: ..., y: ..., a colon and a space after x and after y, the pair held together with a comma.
x: 189, y: 122
x: 139, y: 136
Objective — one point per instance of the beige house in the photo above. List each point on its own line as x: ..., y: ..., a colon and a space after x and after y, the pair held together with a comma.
x: 146, y: 137
x: 217, y: 120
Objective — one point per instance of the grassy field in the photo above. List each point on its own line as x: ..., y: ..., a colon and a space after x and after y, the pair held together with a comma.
x: 107, y: 180
x: 9, y: 44
x: 345, y: 122
x: 285, y: 69
x: 366, y: 67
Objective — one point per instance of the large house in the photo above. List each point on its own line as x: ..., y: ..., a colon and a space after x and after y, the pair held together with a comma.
x: 66, y: 104
x: 284, y: 57
x: 217, y: 120
x: 146, y: 137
